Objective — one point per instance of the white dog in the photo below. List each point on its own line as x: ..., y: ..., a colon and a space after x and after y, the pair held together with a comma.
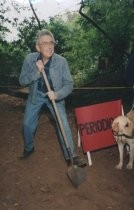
x: 123, y: 131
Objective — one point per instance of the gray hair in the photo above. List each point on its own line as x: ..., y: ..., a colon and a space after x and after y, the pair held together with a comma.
x: 43, y: 33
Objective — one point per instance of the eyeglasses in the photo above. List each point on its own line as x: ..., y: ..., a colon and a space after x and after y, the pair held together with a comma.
x: 46, y: 44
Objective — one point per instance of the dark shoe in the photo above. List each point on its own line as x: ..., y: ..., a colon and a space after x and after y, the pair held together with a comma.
x: 80, y: 162
x: 26, y: 153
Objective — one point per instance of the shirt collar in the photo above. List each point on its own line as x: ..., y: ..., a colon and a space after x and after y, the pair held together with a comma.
x: 40, y: 58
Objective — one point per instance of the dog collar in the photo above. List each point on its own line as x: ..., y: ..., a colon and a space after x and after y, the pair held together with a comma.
x: 116, y: 134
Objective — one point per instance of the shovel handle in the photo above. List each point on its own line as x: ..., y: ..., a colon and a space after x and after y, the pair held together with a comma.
x: 57, y: 114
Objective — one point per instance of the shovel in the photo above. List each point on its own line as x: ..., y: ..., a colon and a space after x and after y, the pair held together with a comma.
x: 76, y: 174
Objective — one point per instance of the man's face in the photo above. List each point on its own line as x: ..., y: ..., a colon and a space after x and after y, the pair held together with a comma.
x: 46, y: 46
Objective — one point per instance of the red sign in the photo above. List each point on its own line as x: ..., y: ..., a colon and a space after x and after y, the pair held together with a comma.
x: 94, y: 124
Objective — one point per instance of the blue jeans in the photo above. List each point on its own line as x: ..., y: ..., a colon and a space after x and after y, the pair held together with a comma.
x: 31, y: 118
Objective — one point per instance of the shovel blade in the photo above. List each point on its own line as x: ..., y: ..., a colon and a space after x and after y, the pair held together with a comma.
x: 76, y: 175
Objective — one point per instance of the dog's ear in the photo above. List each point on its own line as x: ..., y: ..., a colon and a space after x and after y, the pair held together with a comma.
x: 130, y: 115
x: 115, y: 126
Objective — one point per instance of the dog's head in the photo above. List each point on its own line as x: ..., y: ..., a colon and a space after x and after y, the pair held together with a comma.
x: 123, y: 125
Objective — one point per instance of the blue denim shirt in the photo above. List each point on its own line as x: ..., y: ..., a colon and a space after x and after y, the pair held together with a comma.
x: 59, y: 72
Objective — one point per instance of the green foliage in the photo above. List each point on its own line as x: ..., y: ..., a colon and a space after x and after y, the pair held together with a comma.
x: 116, y: 19
x: 11, y: 59
x: 94, y: 57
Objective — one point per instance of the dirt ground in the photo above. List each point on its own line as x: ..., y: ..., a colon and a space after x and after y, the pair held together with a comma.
x: 41, y: 182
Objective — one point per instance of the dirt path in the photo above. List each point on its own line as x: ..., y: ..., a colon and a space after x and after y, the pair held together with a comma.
x: 40, y: 182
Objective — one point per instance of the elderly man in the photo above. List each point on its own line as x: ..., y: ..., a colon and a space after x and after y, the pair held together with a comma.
x: 61, y: 83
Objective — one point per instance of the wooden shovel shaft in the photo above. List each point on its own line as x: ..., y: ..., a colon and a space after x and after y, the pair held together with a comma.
x: 58, y: 116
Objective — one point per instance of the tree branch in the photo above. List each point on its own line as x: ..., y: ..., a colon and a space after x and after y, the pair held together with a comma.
x: 96, y: 26
x: 36, y: 17
x: 93, y: 22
